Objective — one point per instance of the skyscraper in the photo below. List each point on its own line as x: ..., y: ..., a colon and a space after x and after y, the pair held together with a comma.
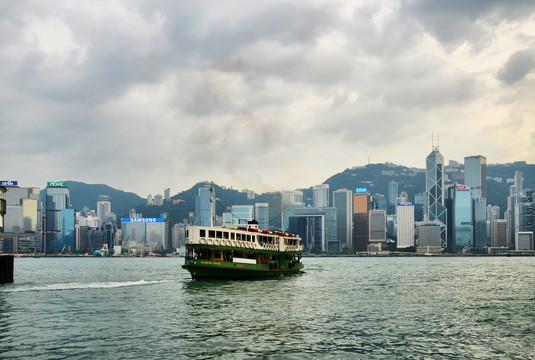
x: 475, y: 175
x: 434, y: 188
x: 343, y: 202
x: 167, y: 194
x: 321, y: 196
x: 461, y: 217
x: 498, y: 233
x: 361, y: 221
x: 58, y: 221
x: 261, y: 214
x: 525, y: 215
x: 103, y: 207
x: 204, y: 206
x: 405, y: 217
x: 479, y: 219
x: 393, y: 192
x: 377, y: 227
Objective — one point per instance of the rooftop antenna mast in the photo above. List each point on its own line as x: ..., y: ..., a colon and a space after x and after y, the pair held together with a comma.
x: 211, y: 204
x: 433, y: 145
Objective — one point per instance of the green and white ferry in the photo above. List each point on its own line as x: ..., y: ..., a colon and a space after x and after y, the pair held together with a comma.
x: 238, y: 252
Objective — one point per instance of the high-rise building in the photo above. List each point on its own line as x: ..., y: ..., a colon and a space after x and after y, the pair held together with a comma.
x: 150, y: 201
x: 292, y: 197
x: 405, y: 217
x: 261, y: 214
x: 158, y: 200
x: 2, y: 210
x: 461, y: 217
x: 321, y: 196
x: 167, y: 194
x: 498, y: 233
x: 519, y: 181
x: 361, y: 221
x: 242, y: 214
x: 475, y: 175
x: 343, y: 202
x: 393, y: 192
x: 316, y: 227
x: 479, y: 219
x: 377, y: 227
x: 23, y: 210
x: 434, y: 189
x: 59, y: 233
x: 204, y: 206
x: 524, y: 214
x: 493, y: 212
x: 103, y: 207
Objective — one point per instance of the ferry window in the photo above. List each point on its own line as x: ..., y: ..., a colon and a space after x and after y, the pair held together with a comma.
x: 219, y: 234
x: 211, y: 233
x: 253, y: 238
x: 248, y: 237
x: 225, y: 235
x: 218, y: 255
x: 238, y: 236
x: 232, y: 236
x: 202, y: 233
x: 187, y: 232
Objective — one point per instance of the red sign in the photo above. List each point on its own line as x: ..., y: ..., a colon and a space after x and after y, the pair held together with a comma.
x: 461, y: 187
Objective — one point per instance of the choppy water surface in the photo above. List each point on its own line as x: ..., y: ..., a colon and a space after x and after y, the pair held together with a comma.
x: 339, y: 308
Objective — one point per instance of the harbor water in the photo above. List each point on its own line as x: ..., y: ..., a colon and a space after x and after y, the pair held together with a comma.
x: 338, y: 308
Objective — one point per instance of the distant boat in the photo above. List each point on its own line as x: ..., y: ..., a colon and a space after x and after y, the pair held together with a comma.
x: 236, y: 252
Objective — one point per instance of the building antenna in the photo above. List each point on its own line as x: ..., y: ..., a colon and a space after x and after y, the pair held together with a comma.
x: 433, y: 145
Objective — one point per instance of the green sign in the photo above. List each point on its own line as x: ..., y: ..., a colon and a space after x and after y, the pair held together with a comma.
x: 56, y: 184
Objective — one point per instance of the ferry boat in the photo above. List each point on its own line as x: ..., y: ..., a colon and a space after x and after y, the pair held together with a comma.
x: 239, y: 252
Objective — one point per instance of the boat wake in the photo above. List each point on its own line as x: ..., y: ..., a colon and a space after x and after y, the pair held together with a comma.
x: 81, y: 286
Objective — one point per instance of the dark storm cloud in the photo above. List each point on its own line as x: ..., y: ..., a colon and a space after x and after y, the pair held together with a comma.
x: 455, y: 21
x: 517, y: 67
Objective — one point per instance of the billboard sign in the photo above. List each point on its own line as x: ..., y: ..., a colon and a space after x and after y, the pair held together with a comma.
x: 405, y: 204
x: 362, y: 190
x: 56, y: 184
x: 142, y: 220
x: 461, y: 187
x: 8, y: 183
x: 481, y: 200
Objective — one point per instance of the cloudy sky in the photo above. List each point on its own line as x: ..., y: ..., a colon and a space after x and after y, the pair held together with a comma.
x: 271, y: 95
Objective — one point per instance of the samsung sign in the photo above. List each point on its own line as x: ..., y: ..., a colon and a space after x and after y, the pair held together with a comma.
x: 142, y: 220
x: 8, y: 183
x: 361, y: 190
x: 56, y: 184
x: 405, y: 204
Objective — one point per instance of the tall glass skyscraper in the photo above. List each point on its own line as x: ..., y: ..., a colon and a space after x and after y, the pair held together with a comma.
x: 434, y: 188
x: 393, y: 192
x: 58, y: 221
x: 321, y: 196
x: 475, y: 175
x: 462, y: 218
x: 480, y: 223
x: 203, y: 205
x: 405, y: 217
x: 261, y: 213
x: 343, y: 202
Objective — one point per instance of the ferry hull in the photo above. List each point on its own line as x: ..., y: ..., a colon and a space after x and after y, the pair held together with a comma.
x: 200, y: 271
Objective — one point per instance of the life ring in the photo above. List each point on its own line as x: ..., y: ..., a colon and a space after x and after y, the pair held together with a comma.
x: 202, y: 241
x: 210, y: 241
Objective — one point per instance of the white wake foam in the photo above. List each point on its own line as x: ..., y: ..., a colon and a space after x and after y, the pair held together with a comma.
x: 76, y: 286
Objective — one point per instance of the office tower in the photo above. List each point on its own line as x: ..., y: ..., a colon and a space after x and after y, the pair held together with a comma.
x: 393, y: 192
x: 204, y: 206
x: 462, y: 233
x: 242, y: 214
x: 419, y: 199
x: 434, y: 189
x: 167, y: 194
x: 498, y: 233
x: 158, y: 200
x: 524, y: 215
x: 144, y: 234
x: 361, y: 221
x: 475, y: 175
x: 261, y: 212
x: 379, y: 202
x: 103, y: 207
x: 405, y: 217
x: 479, y: 219
x: 321, y: 196
x: 292, y: 197
x: 343, y: 202
x: 519, y: 181
x: 377, y: 227
x: 524, y: 240
x: 493, y: 212
x: 2, y: 209
x: 428, y: 238
x: 316, y: 227
x: 23, y: 209
x: 59, y: 233
x: 150, y: 202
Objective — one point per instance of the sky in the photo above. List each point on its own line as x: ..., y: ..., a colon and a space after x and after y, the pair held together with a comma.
x: 264, y: 95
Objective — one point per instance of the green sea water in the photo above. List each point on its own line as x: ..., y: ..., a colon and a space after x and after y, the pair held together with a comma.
x: 338, y: 308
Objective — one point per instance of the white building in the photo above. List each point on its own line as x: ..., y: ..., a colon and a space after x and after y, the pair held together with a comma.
x: 321, y: 196
x: 103, y: 207
x: 405, y: 218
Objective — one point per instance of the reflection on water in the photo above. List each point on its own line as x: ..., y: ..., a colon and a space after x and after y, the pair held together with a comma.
x: 338, y: 308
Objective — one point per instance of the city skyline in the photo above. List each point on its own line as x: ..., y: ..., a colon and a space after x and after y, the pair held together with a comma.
x: 271, y: 96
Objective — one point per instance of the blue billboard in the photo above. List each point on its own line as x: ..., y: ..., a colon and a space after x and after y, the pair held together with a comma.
x: 142, y: 220
x: 362, y: 190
